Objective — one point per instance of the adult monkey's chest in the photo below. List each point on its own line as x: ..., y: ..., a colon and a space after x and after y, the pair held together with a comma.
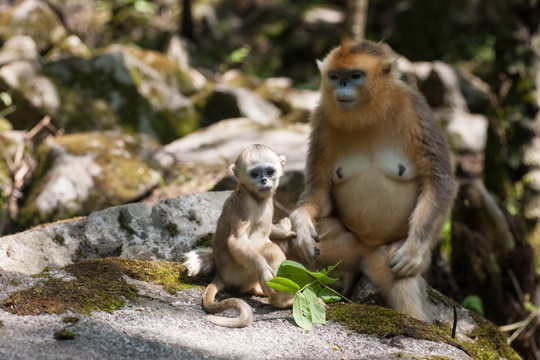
x: 375, y: 187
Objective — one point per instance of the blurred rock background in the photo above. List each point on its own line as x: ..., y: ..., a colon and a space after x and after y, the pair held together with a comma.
x: 104, y: 103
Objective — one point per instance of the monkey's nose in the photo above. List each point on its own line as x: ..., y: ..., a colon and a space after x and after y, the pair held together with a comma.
x: 264, y: 180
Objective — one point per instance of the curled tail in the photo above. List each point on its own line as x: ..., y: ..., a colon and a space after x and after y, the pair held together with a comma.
x: 246, y: 313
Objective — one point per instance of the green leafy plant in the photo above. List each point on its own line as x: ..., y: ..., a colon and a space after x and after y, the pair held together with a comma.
x: 473, y: 302
x: 311, y: 291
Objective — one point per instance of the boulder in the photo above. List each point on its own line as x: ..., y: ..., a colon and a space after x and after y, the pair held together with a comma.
x: 116, y: 307
x: 70, y: 46
x: 160, y: 232
x: 33, y: 18
x: 19, y: 47
x: 466, y: 132
x: 84, y: 172
x: 222, y: 142
x: 457, y: 98
x: 34, y: 94
x: 141, y: 90
x: 226, y: 102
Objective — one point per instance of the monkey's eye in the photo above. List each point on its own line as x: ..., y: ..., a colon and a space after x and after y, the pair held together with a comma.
x: 358, y: 75
x: 270, y: 172
x: 254, y: 174
x: 333, y: 77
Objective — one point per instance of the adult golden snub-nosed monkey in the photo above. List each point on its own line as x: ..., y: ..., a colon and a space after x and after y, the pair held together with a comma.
x: 379, y: 181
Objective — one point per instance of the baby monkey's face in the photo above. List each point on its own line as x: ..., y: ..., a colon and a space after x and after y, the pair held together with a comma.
x: 263, y: 178
x: 258, y: 168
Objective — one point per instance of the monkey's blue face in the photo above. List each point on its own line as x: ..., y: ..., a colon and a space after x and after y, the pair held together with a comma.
x: 345, y: 83
x: 263, y: 178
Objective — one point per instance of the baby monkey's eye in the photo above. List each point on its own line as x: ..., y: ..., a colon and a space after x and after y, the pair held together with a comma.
x: 270, y: 172
x: 254, y: 174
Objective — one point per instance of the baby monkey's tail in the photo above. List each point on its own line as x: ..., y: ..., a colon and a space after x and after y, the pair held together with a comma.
x: 199, y: 261
x: 245, y: 317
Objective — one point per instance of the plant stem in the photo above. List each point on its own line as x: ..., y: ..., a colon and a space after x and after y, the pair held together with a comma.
x: 337, y: 293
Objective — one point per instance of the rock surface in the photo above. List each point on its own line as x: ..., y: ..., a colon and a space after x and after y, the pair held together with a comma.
x: 162, y: 326
x: 88, y: 172
x: 164, y: 231
x: 158, y: 323
x: 222, y: 142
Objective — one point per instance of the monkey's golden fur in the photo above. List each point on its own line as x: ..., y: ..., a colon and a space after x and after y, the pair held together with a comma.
x: 379, y: 179
x: 243, y: 255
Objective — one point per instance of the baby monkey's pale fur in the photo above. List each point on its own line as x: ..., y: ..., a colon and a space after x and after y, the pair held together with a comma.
x: 379, y: 181
x: 243, y: 255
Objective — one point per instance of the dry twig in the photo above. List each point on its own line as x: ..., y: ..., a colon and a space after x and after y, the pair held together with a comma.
x: 20, y: 168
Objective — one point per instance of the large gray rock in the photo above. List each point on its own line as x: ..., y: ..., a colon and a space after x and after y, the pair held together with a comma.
x: 164, y: 231
x: 226, y: 102
x: 223, y: 141
x: 140, y: 90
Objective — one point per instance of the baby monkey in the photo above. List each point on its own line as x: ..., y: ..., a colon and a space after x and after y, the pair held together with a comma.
x: 243, y: 255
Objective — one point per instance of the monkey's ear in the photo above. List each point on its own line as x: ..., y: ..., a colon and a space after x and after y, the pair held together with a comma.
x: 233, y: 169
x: 319, y: 64
x: 391, y: 59
x: 282, y: 159
x: 387, y: 67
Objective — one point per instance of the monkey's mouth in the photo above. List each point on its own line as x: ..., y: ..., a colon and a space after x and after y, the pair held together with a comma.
x: 345, y: 103
x: 264, y: 189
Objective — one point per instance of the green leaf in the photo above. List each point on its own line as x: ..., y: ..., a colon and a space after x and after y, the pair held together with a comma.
x: 283, y: 284
x: 318, y: 312
x: 294, y: 271
x: 309, y: 286
x: 530, y: 306
x: 302, y: 276
x: 473, y: 302
x: 308, y: 310
x: 6, y: 99
x: 301, y: 312
x: 323, y: 278
x: 328, y: 296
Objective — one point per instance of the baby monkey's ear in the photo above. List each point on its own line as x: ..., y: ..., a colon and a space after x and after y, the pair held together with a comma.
x: 282, y: 159
x: 233, y: 169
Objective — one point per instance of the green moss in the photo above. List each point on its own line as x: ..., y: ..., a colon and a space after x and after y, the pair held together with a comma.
x: 64, y: 334
x: 70, y: 319
x: 437, y: 298
x: 171, y: 275
x: 127, y: 173
x: 172, y: 228
x: 385, y: 323
x: 204, y: 241
x: 59, y: 239
x: 487, y: 341
x: 99, y: 286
